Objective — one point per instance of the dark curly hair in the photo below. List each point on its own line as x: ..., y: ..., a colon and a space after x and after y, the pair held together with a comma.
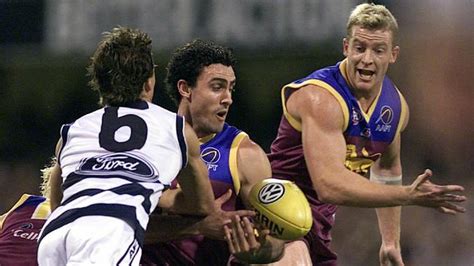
x: 188, y: 61
x: 121, y: 65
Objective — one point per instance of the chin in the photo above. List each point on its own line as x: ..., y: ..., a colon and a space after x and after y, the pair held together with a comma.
x: 219, y: 128
x: 364, y: 86
x: 214, y: 129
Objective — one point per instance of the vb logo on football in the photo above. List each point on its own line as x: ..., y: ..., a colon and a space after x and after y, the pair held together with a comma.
x: 271, y: 192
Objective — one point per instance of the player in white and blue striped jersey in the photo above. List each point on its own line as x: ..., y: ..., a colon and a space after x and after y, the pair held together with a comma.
x: 115, y: 163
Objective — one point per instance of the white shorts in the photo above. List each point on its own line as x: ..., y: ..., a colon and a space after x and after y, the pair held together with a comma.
x: 90, y: 240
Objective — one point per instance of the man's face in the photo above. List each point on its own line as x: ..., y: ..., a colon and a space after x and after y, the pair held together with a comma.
x: 211, y: 98
x: 369, y: 52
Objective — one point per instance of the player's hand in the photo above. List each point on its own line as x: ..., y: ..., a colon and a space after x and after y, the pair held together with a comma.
x: 213, y: 225
x: 251, y: 243
x: 440, y: 197
x: 390, y: 256
x: 243, y: 239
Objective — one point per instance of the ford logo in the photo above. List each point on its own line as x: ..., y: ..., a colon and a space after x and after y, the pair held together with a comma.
x: 124, y: 164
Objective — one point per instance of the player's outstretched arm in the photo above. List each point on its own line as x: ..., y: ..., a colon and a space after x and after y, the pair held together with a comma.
x: 195, y: 196
x: 253, y: 166
x: 165, y: 227
x: 325, y: 151
x: 250, y: 245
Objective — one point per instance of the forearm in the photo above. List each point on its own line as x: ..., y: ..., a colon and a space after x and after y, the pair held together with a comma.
x: 196, y: 197
x: 389, y: 226
x: 350, y: 189
x: 194, y: 179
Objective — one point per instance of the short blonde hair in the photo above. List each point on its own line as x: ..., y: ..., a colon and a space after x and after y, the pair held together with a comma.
x: 373, y: 17
x: 45, y: 187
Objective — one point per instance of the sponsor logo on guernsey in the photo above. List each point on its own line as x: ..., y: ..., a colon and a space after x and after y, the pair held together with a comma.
x: 211, y: 157
x: 355, y: 117
x: 271, y: 192
x: 27, y: 226
x: 385, y: 119
x: 25, y: 232
x: 366, y: 133
x: 124, y: 164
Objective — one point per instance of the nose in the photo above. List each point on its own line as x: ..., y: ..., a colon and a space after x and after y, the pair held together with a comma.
x: 227, y: 97
x: 367, y: 57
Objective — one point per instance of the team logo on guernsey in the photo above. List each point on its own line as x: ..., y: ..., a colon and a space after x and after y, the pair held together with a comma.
x: 123, y: 164
x: 385, y: 119
x: 356, y: 116
x: 211, y: 157
x: 26, y: 226
x: 271, y: 192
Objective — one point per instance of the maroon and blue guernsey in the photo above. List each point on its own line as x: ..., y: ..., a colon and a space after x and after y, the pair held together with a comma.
x: 367, y: 136
x: 219, y: 152
x: 19, y: 230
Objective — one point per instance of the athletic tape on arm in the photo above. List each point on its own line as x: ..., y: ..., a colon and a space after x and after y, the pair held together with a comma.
x: 386, y: 180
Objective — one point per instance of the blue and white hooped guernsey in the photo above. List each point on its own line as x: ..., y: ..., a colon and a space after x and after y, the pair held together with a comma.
x: 116, y: 162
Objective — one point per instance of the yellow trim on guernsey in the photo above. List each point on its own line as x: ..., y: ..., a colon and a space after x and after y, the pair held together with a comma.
x: 234, y: 170
x: 23, y: 198
x: 403, y: 112
x: 369, y: 113
x: 42, y: 211
x: 206, y: 138
x: 297, y: 124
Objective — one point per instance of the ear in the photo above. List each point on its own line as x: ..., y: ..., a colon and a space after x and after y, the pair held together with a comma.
x: 184, y: 89
x: 345, y: 46
x: 148, y: 89
x: 395, y: 52
x: 149, y: 84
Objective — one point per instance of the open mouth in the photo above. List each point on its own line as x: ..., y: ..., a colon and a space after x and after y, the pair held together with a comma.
x: 222, y: 114
x: 365, y: 74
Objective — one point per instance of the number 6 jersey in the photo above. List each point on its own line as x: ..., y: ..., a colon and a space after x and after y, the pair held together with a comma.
x: 116, y: 162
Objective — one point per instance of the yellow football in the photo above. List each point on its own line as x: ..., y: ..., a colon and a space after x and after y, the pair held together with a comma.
x: 282, y: 208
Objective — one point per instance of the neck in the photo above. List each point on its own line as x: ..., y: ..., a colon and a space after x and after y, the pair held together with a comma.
x: 184, y: 111
x: 146, y: 96
x: 366, y: 98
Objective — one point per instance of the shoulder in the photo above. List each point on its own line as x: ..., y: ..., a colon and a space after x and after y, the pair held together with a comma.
x: 314, y: 102
x: 252, y: 158
x: 248, y: 149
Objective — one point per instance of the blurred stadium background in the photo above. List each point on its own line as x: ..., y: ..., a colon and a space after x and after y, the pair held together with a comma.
x: 45, y: 46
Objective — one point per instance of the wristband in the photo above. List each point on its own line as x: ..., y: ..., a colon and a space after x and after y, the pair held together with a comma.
x: 386, y: 180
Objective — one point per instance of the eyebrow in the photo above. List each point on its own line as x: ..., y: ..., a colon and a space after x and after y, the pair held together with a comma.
x: 232, y: 82
x: 377, y: 44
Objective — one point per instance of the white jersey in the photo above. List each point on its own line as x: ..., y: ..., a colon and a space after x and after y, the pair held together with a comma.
x: 116, y: 162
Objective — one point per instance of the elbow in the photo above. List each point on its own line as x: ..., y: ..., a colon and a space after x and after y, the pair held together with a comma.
x: 328, y: 194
